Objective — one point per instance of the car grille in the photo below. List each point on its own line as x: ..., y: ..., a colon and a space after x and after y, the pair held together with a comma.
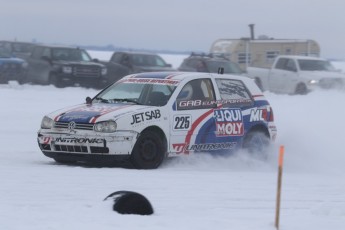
x: 87, y: 71
x: 81, y: 126
x: 74, y: 148
x: 331, y: 83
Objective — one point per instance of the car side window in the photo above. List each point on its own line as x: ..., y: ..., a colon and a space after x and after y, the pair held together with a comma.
x: 290, y: 65
x: 233, y: 93
x: 281, y: 63
x: 37, y: 52
x: 116, y: 57
x: 46, y: 53
x: 196, y: 94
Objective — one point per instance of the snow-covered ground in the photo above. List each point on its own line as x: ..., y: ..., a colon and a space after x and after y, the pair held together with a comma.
x: 193, y: 192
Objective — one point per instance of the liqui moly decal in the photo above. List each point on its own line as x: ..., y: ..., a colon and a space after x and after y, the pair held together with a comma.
x: 258, y: 115
x: 229, y: 122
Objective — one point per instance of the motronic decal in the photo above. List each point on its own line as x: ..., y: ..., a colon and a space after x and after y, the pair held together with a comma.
x: 75, y: 140
x: 258, y: 115
x: 185, y: 148
x: 145, y: 116
x: 229, y: 122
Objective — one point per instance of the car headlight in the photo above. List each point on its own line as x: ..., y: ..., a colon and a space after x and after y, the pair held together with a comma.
x: 25, y: 65
x: 105, y: 126
x: 313, y: 82
x: 47, y: 123
x: 67, y: 69
x: 104, y: 71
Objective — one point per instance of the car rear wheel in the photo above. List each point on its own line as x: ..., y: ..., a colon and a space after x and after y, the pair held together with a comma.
x: 256, y: 142
x: 148, y: 151
x: 301, y: 89
x: 57, y: 82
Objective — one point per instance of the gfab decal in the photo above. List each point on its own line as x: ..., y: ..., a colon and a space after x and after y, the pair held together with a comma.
x: 229, y: 122
x: 258, y: 115
x: 185, y: 148
x: 145, y: 116
x: 182, y: 122
x: 196, y: 104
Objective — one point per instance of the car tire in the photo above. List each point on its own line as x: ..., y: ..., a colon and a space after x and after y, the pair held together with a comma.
x: 54, y: 80
x: 64, y: 161
x: 148, y: 151
x: 301, y: 89
x: 256, y: 142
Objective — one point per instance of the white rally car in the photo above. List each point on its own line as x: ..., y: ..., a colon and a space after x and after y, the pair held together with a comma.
x: 149, y: 116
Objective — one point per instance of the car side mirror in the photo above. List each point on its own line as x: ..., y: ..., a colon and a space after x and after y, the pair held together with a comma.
x: 168, y: 65
x: 95, y: 60
x: 46, y: 58
x: 88, y: 101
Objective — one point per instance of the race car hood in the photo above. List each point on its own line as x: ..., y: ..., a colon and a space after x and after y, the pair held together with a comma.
x: 152, y: 69
x: 95, y: 112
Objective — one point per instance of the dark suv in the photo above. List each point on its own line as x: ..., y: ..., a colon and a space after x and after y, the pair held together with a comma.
x: 210, y: 64
x: 65, y: 66
x: 137, y: 62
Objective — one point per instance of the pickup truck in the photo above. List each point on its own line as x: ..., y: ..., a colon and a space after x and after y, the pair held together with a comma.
x: 297, y: 75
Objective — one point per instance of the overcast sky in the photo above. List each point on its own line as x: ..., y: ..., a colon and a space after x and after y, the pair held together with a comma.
x: 179, y: 25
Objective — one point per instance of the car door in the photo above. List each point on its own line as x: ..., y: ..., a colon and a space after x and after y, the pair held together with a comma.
x: 192, y: 125
x: 283, y: 75
x: 231, y: 117
x: 39, y: 65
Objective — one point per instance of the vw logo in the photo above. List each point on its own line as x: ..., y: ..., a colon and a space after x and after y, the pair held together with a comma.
x: 71, y: 125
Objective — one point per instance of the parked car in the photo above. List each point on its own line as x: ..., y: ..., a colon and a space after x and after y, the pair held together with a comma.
x: 17, y: 48
x: 11, y: 68
x: 297, y: 75
x: 64, y: 66
x: 136, y: 62
x: 209, y: 63
x: 147, y: 117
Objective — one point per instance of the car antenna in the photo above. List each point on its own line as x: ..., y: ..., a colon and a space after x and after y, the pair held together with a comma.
x: 220, y: 70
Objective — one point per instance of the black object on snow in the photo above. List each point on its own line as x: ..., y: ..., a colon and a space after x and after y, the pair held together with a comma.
x: 128, y: 202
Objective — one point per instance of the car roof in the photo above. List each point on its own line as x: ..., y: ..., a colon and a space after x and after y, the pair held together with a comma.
x: 301, y: 57
x: 185, y: 75
x: 59, y: 46
x: 137, y: 52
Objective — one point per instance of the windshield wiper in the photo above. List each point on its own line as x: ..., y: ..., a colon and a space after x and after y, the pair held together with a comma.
x: 126, y: 100
x: 102, y: 100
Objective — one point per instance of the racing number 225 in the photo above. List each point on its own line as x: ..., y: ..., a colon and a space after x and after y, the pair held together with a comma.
x: 182, y: 122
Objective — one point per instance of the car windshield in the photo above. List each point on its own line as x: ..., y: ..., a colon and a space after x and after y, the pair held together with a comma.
x: 22, y: 47
x: 4, y: 53
x: 229, y: 67
x: 315, y: 65
x: 68, y: 54
x: 142, y: 91
x: 147, y: 60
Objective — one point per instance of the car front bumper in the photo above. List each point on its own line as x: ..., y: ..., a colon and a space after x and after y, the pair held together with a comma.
x: 86, y: 146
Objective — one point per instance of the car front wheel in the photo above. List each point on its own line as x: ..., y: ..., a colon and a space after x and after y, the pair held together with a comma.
x: 148, y: 151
